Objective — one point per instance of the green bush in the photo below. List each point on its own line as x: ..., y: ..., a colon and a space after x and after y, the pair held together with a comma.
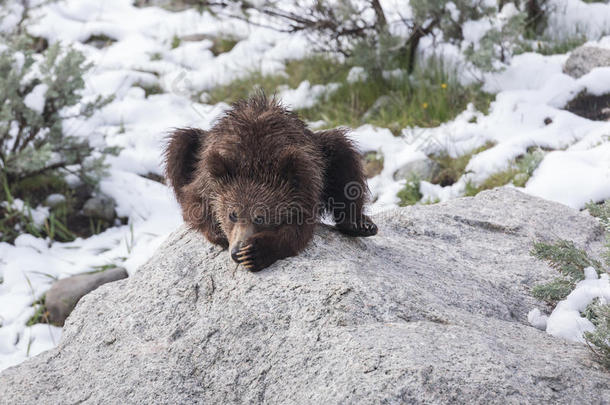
x: 38, y: 91
x: 569, y: 261
x: 599, y: 340
x: 32, y: 137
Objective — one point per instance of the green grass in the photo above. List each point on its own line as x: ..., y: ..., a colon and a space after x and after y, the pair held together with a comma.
x: 222, y: 45
x: 40, y: 313
x: 64, y: 223
x: 317, y: 69
x: 176, y: 41
x: 450, y: 168
x: 410, y: 194
x: 150, y: 89
x: 428, y: 98
x: 518, y: 173
x: 548, y: 45
x: 560, y: 47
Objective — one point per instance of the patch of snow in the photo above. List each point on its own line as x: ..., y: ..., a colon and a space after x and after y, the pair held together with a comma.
x: 306, y: 95
x: 536, y: 319
x: 569, y: 18
x: 357, y: 74
x: 36, y: 98
x: 584, y: 174
x: 566, y: 320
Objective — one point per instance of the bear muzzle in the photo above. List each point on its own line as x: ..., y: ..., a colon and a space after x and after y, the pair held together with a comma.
x: 240, y: 234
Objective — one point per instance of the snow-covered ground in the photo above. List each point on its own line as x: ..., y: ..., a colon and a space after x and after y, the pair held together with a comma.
x: 531, y: 89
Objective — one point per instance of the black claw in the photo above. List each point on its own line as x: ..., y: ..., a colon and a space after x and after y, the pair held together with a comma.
x: 362, y: 229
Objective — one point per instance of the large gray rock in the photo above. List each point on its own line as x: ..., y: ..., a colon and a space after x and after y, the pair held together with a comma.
x: 584, y: 59
x: 433, y: 310
x: 64, y: 294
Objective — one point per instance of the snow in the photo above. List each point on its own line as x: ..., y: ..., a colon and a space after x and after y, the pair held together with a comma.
x: 574, y: 17
x: 140, y: 55
x: 585, y: 176
x: 36, y: 98
x: 38, y: 214
x: 537, y: 319
x: 566, y: 320
x: 306, y: 95
x: 356, y: 74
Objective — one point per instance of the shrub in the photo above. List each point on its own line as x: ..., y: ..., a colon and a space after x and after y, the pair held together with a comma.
x: 599, y: 340
x: 350, y: 26
x: 38, y: 92
x: 36, y: 95
x: 569, y: 261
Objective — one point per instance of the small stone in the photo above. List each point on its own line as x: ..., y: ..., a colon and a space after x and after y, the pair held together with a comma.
x: 423, y: 169
x: 99, y: 207
x: 584, y: 59
x: 64, y: 294
x: 53, y: 200
x: 379, y: 104
x: 548, y: 121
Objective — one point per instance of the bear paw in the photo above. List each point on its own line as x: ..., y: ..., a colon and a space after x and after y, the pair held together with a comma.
x: 364, y: 227
x: 250, y: 258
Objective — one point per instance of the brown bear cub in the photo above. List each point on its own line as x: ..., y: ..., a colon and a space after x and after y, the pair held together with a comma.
x: 259, y: 180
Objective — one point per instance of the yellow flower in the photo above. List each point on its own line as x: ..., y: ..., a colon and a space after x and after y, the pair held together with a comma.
x: 444, y: 86
x: 425, y: 105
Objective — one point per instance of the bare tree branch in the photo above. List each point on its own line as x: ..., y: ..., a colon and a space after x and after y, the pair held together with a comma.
x: 379, y: 13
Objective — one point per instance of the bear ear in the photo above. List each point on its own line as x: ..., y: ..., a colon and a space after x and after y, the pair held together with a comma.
x: 220, y: 167
x: 181, y: 156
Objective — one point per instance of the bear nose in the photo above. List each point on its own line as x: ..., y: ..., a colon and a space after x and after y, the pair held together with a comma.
x: 235, y: 251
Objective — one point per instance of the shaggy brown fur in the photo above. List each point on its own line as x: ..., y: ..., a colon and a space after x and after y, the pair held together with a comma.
x: 258, y: 181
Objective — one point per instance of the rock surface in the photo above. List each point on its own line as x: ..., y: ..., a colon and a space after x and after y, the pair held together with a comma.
x: 433, y: 309
x: 64, y: 294
x: 584, y: 59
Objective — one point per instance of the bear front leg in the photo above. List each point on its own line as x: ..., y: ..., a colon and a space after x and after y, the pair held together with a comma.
x: 198, y: 215
x: 214, y: 234
x: 345, y: 190
x: 264, y: 248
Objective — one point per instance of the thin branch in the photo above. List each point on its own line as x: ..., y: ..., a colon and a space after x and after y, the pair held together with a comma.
x: 382, y: 22
x: 54, y: 166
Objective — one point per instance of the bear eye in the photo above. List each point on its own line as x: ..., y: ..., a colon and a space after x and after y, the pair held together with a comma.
x: 233, y: 216
x: 259, y: 220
